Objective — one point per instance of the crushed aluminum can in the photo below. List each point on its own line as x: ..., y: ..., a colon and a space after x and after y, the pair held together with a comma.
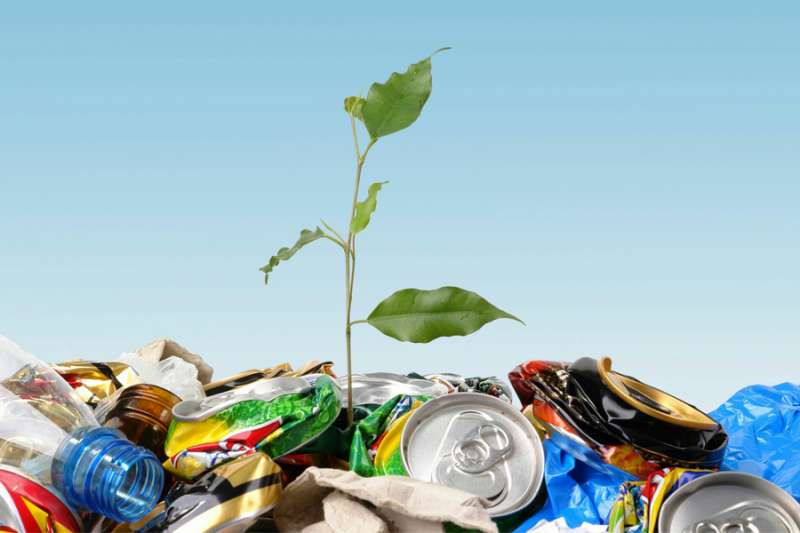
x: 275, y: 416
x: 283, y: 370
x: 479, y: 444
x: 265, y: 391
x: 94, y: 381
x: 311, y: 367
x: 627, y: 423
x: 234, y: 382
x: 730, y: 502
x: 638, y: 502
x: 377, y: 388
x: 388, y: 460
x: 375, y: 440
x: 230, y: 498
x: 27, y: 506
x: 493, y: 386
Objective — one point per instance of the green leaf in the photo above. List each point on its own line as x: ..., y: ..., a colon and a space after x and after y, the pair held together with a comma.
x: 413, y: 315
x: 396, y: 104
x: 306, y: 236
x: 352, y: 104
x: 365, y: 209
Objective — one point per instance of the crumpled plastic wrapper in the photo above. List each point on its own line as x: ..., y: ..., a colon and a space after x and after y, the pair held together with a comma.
x: 326, y: 500
x: 576, y: 492
x: 560, y: 526
x: 763, y: 425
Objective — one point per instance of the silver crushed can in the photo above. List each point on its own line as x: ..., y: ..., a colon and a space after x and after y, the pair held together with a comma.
x: 456, y: 383
x: 264, y: 390
x: 476, y: 443
x: 380, y: 387
x: 728, y: 502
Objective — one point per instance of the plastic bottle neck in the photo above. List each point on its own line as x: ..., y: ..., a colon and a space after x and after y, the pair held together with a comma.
x: 99, y: 470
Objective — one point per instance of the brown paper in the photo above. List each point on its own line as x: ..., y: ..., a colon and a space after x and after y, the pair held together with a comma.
x: 160, y: 349
x: 402, y: 504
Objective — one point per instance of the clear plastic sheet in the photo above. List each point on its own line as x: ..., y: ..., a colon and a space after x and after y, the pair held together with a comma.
x: 763, y: 425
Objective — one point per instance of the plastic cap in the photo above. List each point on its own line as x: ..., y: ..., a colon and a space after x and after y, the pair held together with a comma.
x: 104, y: 472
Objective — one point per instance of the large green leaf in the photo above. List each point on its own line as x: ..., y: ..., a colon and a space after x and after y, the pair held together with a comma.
x: 306, y: 236
x: 352, y: 104
x: 396, y: 104
x: 413, y: 315
x: 365, y: 209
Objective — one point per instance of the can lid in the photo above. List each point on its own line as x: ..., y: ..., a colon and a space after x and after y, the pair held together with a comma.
x: 476, y: 443
x: 264, y: 390
x: 728, y: 502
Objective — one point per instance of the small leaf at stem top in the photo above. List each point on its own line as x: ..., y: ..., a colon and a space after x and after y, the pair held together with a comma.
x: 306, y: 236
x: 413, y: 315
x: 365, y: 209
x: 352, y: 104
x: 341, y: 240
x: 396, y: 104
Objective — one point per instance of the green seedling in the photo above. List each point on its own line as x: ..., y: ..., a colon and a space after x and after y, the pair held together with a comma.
x: 409, y: 315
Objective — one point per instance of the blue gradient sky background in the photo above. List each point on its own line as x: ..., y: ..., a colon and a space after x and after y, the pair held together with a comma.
x: 623, y: 176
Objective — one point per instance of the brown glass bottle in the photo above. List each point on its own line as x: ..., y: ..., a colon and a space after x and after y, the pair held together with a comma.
x: 143, y: 413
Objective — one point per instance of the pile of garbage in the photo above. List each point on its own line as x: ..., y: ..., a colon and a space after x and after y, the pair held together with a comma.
x: 148, y: 443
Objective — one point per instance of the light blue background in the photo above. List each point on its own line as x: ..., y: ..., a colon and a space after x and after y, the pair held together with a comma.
x: 623, y: 176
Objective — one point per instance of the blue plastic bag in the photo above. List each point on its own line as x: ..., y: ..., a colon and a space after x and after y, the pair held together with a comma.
x: 763, y: 425
x: 575, y: 491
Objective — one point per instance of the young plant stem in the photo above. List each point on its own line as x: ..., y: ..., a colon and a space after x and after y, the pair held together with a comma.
x: 340, y: 243
x: 350, y: 271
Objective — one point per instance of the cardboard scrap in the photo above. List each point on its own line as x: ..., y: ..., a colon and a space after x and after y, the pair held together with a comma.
x: 323, y: 500
x: 162, y: 348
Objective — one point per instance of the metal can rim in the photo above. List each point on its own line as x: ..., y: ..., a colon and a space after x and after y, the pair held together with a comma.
x: 427, y: 410
x: 770, y: 490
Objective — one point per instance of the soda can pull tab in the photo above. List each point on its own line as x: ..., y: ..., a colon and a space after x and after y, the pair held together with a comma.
x: 735, y: 526
x: 473, y: 454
